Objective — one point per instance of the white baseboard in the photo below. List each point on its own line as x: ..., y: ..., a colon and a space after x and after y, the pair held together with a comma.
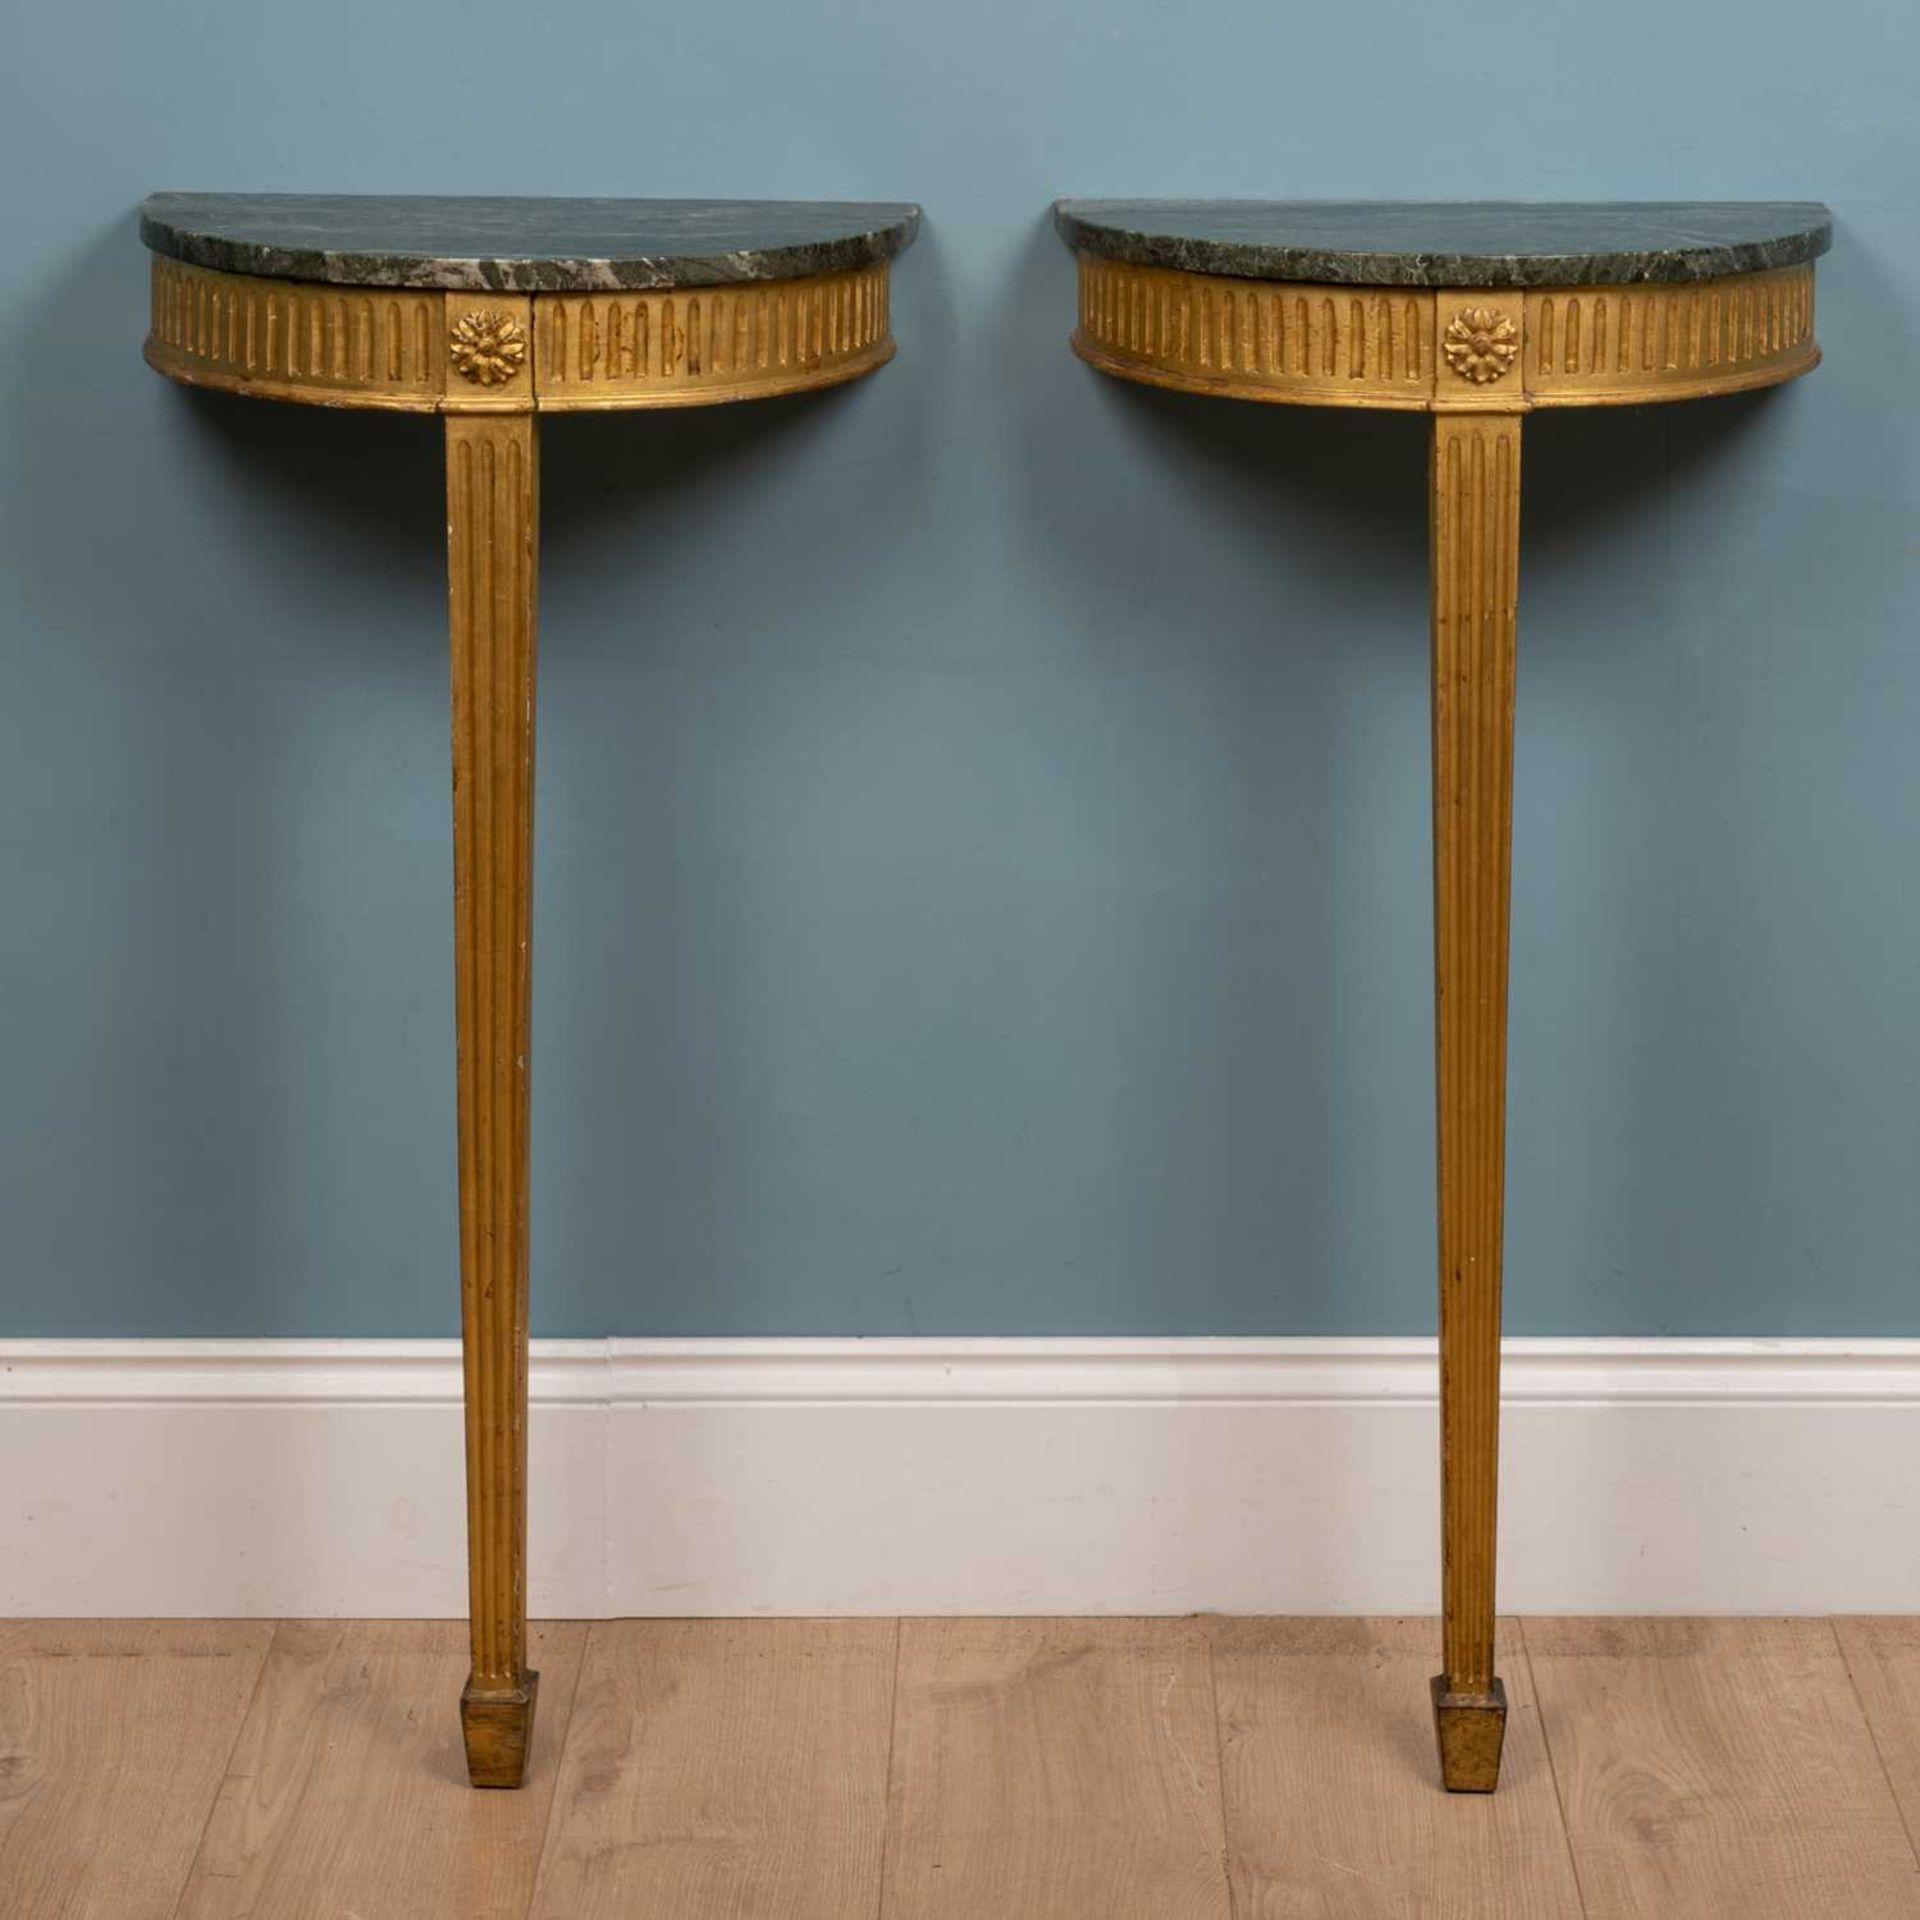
x: 311, y: 1477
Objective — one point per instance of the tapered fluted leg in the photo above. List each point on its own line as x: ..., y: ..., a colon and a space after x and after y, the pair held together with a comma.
x: 492, y: 539
x: 1475, y: 563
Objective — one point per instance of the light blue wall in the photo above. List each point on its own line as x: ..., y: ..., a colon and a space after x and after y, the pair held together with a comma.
x: 983, y: 867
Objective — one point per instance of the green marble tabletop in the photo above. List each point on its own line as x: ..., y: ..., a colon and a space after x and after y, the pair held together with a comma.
x: 1451, y: 243
x: 521, y: 245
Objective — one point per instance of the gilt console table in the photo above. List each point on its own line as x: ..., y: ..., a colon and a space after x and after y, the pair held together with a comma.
x: 490, y: 312
x: 1477, y: 314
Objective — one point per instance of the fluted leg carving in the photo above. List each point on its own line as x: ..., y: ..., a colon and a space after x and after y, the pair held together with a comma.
x: 492, y: 544
x: 1475, y: 567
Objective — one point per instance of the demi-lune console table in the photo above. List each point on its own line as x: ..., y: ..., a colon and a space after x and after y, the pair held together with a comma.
x: 490, y: 313
x: 1477, y: 314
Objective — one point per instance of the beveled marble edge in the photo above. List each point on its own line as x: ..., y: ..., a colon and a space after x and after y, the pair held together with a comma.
x: 1115, y: 230
x: 261, y: 235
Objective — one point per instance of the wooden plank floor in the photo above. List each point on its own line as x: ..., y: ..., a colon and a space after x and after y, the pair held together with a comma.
x: 1192, y: 1769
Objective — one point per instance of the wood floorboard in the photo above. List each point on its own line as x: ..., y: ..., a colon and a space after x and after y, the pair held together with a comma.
x: 1333, y: 1796
x: 1097, y: 1769
x: 1055, y: 1770
x: 724, y: 1770
x: 347, y: 1792
x: 1718, y: 1769
x: 113, y: 1738
x: 1883, y: 1657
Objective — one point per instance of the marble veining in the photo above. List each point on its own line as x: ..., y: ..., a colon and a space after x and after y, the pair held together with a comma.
x: 522, y: 244
x: 1445, y: 243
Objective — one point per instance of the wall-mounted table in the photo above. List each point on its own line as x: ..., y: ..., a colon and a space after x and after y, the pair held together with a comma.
x: 1477, y: 314
x: 491, y: 312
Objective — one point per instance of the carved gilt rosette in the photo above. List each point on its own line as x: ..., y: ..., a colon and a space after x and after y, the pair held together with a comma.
x: 487, y: 348
x: 1481, y: 344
